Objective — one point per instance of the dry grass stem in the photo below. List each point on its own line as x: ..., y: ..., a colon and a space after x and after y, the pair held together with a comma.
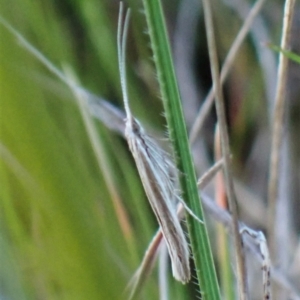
x: 235, y: 47
x: 163, y: 272
x: 278, y: 127
x: 259, y: 33
x: 209, y: 174
x: 100, y: 155
x: 241, y: 273
x: 104, y: 111
x: 142, y: 273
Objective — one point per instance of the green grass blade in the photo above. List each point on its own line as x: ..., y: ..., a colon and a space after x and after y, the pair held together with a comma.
x: 292, y: 56
x: 178, y: 135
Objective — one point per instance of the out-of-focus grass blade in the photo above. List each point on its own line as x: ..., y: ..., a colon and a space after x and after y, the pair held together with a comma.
x: 57, y: 214
x: 292, y: 56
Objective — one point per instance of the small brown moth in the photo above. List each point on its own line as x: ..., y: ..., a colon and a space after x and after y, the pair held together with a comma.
x: 155, y: 169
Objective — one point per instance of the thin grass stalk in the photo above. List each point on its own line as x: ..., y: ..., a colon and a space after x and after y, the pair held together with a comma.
x: 141, y: 275
x: 212, y: 49
x: 223, y: 242
x: 98, y: 107
x: 259, y: 32
x: 101, y: 158
x: 278, y: 126
x: 228, y: 63
x: 171, y: 99
x: 164, y: 290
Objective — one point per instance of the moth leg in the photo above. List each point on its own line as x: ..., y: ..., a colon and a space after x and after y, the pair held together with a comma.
x: 183, y: 206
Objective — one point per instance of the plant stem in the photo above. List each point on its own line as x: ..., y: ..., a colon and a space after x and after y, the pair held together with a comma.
x: 278, y: 124
x: 241, y: 272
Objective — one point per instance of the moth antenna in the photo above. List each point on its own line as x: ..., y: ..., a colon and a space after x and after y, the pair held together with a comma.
x: 122, y: 42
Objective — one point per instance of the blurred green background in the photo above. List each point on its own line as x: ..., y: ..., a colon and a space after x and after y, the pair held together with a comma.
x: 65, y: 233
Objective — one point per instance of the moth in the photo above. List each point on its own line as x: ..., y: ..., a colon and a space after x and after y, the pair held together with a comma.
x: 155, y: 169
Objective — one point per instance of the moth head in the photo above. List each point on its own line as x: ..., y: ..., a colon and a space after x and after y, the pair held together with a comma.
x: 136, y: 127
